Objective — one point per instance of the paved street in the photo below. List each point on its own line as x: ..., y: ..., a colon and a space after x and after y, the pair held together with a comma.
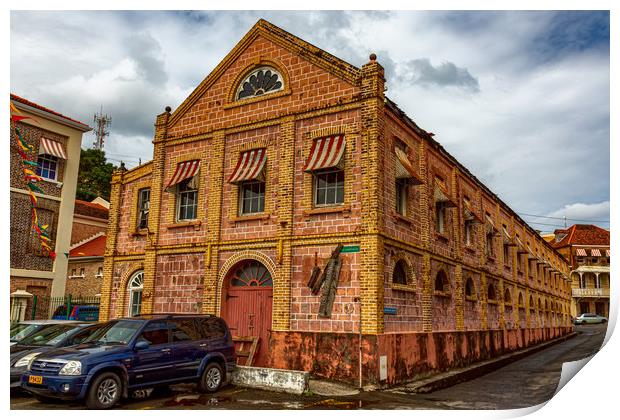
x: 531, y: 381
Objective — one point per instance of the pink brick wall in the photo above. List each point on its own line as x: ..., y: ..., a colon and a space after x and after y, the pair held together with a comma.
x: 179, y: 283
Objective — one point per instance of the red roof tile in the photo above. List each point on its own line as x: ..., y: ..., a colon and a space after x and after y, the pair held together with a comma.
x: 42, y: 108
x: 93, y: 248
x: 85, y: 208
x: 583, y: 235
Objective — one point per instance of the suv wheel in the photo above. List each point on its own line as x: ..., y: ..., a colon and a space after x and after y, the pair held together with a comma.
x: 212, y: 378
x: 105, y: 391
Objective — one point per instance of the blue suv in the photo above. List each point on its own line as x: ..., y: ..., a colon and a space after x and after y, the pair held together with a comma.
x: 128, y: 354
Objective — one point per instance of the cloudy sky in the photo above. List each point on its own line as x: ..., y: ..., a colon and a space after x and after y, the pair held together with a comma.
x: 520, y: 98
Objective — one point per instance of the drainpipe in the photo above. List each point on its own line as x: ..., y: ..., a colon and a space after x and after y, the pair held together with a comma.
x: 359, y: 300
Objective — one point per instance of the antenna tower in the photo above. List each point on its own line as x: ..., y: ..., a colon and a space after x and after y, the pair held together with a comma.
x: 102, y: 123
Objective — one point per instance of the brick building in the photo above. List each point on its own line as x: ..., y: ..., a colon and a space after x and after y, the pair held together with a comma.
x: 57, y: 141
x: 586, y: 247
x: 284, y: 153
x: 85, y: 270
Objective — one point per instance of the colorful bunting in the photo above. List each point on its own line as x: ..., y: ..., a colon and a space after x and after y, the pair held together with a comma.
x: 31, y: 179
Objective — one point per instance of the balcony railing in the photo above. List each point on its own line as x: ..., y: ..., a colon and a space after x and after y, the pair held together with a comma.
x: 591, y: 292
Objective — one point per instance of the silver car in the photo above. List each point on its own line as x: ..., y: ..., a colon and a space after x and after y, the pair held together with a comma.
x: 590, y: 319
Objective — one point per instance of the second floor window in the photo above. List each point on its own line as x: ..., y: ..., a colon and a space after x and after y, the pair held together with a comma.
x: 48, y: 167
x: 489, y: 244
x: 507, y: 255
x: 440, y: 217
x: 329, y: 188
x: 401, y: 196
x: 252, y: 197
x: 187, y: 201
x: 144, y: 201
x: 469, y: 232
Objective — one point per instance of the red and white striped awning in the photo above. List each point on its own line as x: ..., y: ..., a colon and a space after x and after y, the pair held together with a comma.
x: 581, y: 252
x: 607, y: 252
x: 184, y: 170
x: 441, y: 195
x: 404, y: 168
x: 490, y: 224
x: 249, y: 166
x: 326, y: 152
x: 52, y: 147
x: 469, y: 213
x: 595, y: 252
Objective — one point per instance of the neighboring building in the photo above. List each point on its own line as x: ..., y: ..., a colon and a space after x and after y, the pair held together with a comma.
x: 283, y: 153
x: 586, y: 247
x: 85, y: 272
x: 57, y: 140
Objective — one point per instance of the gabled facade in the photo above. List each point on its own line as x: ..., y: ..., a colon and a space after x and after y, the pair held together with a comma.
x: 586, y: 247
x: 290, y: 196
x: 57, y: 141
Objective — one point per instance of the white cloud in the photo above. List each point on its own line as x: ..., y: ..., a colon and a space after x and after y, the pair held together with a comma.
x: 581, y: 212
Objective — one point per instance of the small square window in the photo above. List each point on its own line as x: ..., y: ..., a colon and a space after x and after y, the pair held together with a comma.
x: 252, y: 197
x: 47, y: 167
x: 329, y: 188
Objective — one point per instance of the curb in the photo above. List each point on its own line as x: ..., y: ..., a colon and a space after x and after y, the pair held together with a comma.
x: 452, y: 378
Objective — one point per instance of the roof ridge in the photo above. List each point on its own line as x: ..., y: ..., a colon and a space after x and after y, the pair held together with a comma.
x: 87, y: 240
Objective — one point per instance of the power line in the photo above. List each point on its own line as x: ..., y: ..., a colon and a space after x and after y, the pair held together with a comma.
x: 563, y: 218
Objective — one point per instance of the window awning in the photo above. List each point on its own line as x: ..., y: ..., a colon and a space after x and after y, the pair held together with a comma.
x: 404, y: 168
x: 326, y: 152
x: 250, y: 166
x: 441, y: 194
x: 595, y: 252
x: 507, y: 238
x: 531, y: 255
x: 490, y: 225
x: 581, y: 252
x: 521, y: 249
x: 469, y: 213
x: 52, y: 147
x: 184, y: 170
x: 607, y: 252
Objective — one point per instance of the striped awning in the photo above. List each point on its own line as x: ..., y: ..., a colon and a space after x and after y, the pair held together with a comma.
x: 507, y: 238
x: 441, y: 194
x: 595, y: 252
x: 581, y: 252
x: 326, y: 152
x: 404, y: 167
x: 531, y: 255
x: 490, y: 225
x: 521, y: 249
x: 184, y: 170
x: 607, y: 252
x: 469, y: 213
x: 52, y: 147
x: 249, y: 166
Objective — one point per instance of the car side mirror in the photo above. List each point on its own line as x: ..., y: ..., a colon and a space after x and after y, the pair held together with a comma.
x: 141, y: 345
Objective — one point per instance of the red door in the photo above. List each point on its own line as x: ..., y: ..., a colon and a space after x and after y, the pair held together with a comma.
x: 246, y: 304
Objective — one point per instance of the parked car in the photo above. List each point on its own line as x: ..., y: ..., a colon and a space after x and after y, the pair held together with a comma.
x: 129, y: 354
x: 49, y: 338
x: 24, y: 329
x: 590, y: 319
x: 78, y: 313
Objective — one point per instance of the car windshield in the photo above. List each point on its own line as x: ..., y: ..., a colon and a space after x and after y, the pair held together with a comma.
x: 114, y: 332
x: 20, y: 331
x: 49, y: 336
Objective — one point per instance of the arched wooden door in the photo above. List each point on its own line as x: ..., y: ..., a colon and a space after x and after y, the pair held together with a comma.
x: 246, y: 304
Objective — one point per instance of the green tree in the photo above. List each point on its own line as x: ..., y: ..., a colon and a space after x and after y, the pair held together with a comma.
x: 94, y: 176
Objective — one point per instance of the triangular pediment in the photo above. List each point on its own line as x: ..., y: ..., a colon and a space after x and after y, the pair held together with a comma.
x: 306, y: 51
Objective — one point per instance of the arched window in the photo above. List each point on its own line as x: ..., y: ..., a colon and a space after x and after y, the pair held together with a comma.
x: 521, y: 302
x: 399, y: 276
x: 259, y: 82
x: 507, y: 298
x: 135, y: 286
x: 251, y: 273
x: 470, y: 290
x: 532, y: 304
x: 491, y: 292
x: 441, y: 282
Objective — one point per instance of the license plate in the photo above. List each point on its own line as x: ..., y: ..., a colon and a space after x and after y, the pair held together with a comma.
x: 35, y: 379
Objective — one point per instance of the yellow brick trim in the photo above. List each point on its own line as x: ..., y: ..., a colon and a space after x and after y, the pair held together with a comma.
x: 188, y: 139
x: 427, y: 295
x: 412, y: 280
x: 202, y: 176
x: 459, y: 298
x: 138, y: 172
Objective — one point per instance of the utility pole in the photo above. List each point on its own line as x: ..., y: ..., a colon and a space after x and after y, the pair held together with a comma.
x: 102, y: 123
x: 564, y: 221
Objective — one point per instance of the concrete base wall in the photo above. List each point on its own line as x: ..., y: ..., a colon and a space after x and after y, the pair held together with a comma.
x: 291, y: 381
x: 410, y: 356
